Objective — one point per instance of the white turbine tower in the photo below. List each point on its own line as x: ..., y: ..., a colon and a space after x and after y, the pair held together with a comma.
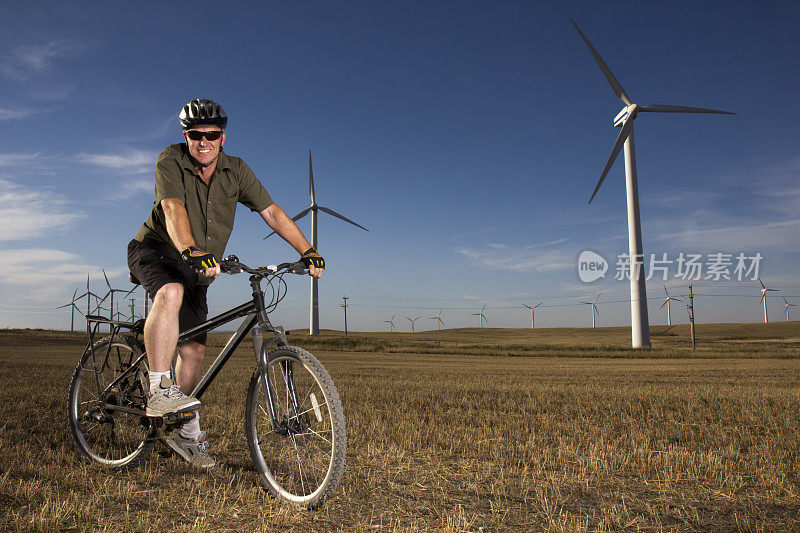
x: 594, y: 308
x: 438, y: 318
x: 391, y: 323
x: 666, y: 303
x: 640, y: 336
x: 788, y: 305
x: 532, y: 308
x: 764, y: 291
x: 483, y: 317
x: 313, y: 328
x: 412, y: 320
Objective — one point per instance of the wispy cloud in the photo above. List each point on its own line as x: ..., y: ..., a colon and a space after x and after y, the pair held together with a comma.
x: 27, y: 213
x: 547, y: 257
x: 11, y: 114
x: 46, y: 275
x: 129, y: 161
x: 24, y: 61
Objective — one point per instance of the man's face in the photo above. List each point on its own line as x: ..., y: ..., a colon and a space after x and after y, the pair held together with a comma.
x: 204, y: 151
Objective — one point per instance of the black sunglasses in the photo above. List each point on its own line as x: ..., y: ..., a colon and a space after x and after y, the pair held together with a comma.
x: 196, y: 135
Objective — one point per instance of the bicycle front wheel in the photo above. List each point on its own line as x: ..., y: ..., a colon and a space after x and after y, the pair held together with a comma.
x: 300, y: 457
x: 107, y: 402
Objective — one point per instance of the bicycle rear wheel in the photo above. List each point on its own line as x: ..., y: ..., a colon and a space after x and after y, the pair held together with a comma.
x: 300, y: 461
x: 107, y: 402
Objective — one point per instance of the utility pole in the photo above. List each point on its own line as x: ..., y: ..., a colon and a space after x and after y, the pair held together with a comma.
x: 146, y: 302
x: 690, y: 307
x: 344, y: 306
x: 133, y: 318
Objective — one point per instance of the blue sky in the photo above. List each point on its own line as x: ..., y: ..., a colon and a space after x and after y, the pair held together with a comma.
x: 467, y: 136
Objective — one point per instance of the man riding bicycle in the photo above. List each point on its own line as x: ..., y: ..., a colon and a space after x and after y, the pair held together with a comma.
x: 176, y: 252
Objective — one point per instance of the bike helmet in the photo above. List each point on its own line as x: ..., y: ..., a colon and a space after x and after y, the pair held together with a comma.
x: 202, y: 111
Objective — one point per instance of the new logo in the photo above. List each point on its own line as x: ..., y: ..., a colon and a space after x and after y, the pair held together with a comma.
x: 591, y: 266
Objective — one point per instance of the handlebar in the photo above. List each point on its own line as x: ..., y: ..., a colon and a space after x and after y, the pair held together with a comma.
x: 232, y: 265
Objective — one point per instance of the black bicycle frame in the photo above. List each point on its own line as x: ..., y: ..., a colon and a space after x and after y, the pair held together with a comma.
x: 257, y: 320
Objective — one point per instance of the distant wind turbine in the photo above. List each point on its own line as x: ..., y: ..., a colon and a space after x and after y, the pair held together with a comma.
x: 483, y: 317
x: 666, y: 303
x: 764, y: 291
x: 788, y: 305
x: 313, y: 328
x: 594, y: 308
x: 391, y: 323
x: 111, y: 293
x: 412, y: 320
x: 438, y: 318
x: 532, y: 308
x: 640, y: 336
x: 74, y: 308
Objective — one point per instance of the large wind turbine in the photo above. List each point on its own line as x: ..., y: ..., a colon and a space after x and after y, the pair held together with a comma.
x: 313, y: 328
x: 640, y: 335
x: 594, y: 309
x: 764, y: 291
x: 391, y: 323
x: 532, y: 308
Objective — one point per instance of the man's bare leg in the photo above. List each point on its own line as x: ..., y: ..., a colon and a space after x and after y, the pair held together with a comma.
x: 160, y: 338
x: 188, y: 369
x: 188, y: 372
x: 161, y: 327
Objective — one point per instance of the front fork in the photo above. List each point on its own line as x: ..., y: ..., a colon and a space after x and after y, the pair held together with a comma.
x: 261, y: 348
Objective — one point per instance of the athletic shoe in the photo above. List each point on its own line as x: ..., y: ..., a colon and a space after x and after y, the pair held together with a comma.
x: 167, y: 399
x: 194, y: 452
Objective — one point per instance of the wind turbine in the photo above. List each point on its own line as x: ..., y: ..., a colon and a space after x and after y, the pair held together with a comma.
x: 74, y: 308
x: 532, y: 308
x: 111, y: 293
x: 412, y: 320
x: 594, y: 308
x: 666, y: 303
x: 483, y: 317
x: 438, y: 318
x: 640, y: 335
x: 764, y: 291
x: 788, y: 305
x: 313, y: 328
x: 391, y: 323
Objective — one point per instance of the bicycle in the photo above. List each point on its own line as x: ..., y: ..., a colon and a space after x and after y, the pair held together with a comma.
x: 294, y: 422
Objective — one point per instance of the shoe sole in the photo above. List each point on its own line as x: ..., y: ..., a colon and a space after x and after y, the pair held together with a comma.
x: 183, y: 455
x: 188, y: 409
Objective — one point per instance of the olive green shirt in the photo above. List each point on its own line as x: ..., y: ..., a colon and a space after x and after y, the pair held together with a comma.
x: 211, y: 208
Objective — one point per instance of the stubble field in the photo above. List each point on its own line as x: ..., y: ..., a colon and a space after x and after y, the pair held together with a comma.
x: 459, y: 430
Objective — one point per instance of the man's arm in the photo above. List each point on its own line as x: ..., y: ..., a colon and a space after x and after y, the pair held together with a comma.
x: 179, y: 230
x: 277, y: 219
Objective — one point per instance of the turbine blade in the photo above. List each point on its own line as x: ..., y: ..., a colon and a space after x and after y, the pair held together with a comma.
x: 623, y: 135
x: 528, y: 306
x: 616, y: 86
x: 107, y: 283
x: 762, y: 283
x: 310, y: 179
x: 337, y: 215
x: 680, y: 109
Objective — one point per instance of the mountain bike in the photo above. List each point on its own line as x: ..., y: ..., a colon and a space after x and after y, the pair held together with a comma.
x: 294, y: 422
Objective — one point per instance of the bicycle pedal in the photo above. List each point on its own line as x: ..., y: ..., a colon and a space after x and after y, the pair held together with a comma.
x: 179, y: 418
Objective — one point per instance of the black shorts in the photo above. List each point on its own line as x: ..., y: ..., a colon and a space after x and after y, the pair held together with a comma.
x: 154, y: 264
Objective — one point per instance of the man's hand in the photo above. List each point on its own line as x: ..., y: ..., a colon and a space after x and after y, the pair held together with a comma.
x: 203, y: 262
x: 314, y: 262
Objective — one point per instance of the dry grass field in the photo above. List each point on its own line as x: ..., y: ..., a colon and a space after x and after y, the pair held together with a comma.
x: 458, y: 430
